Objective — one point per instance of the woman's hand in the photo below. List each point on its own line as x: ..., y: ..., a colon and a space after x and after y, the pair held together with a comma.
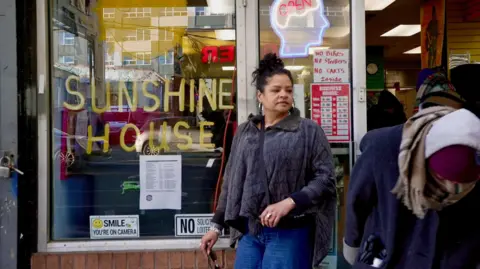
x: 208, y: 241
x: 271, y: 216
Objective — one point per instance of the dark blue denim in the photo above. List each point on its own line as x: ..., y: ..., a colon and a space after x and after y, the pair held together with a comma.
x: 275, y: 248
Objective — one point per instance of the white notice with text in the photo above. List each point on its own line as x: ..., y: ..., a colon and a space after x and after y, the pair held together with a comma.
x: 161, y: 182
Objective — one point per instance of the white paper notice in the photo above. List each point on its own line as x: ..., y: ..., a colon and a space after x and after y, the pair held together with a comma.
x: 161, y: 182
x: 331, y: 66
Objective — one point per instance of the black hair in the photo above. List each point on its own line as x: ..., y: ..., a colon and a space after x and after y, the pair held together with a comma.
x: 269, y: 66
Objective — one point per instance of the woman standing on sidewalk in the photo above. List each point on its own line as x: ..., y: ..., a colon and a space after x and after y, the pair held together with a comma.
x: 278, y: 196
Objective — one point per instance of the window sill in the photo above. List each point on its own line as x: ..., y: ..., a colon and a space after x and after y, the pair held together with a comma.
x: 131, y: 245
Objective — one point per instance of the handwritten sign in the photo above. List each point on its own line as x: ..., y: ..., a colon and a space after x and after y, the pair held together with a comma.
x: 331, y: 66
x: 330, y: 105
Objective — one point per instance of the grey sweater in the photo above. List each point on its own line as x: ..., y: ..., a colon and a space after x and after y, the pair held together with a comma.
x: 299, y: 164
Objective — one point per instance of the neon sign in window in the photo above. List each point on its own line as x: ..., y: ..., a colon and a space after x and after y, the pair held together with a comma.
x: 299, y: 24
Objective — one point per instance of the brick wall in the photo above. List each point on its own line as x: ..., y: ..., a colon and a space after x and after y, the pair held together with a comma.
x: 129, y: 260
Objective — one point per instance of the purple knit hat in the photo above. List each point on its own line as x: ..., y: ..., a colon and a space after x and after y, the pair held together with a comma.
x: 456, y: 163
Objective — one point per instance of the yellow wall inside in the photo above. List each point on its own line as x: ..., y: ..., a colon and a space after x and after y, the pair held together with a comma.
x: 462, y: 36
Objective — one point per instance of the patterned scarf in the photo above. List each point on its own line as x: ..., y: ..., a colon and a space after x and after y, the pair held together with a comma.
x: 437, y: 90
x: 418, y: 189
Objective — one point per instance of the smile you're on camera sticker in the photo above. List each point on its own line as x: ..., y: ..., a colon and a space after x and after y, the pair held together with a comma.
x: 108, y: 227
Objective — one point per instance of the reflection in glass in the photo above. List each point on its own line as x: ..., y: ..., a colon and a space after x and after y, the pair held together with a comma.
x: 137, y: 80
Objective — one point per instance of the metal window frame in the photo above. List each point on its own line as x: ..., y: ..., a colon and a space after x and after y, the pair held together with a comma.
x: 244, y: 66
x: 248, y: 54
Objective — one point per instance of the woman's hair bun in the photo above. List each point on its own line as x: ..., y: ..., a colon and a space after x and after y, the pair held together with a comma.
x: 269, y: 66
x: 270, y: 63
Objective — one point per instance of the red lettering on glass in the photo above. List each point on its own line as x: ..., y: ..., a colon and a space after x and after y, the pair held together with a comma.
x: 296, y: 5
x: 227, y: 54
x: 223, y: 54
x: 209, y: 54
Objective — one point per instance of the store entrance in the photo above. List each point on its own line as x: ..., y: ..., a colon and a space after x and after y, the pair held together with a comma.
x: 314, y: 39
x: 393, y: 60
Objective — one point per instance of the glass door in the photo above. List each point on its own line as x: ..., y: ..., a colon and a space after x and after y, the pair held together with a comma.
x: 325, y: 51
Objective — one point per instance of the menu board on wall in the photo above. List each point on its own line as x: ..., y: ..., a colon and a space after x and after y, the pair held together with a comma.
x: 331, y: 66
x: 330, y: 105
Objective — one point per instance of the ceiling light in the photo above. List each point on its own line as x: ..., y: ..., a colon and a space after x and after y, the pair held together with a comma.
x: 312, y: 50
x: 404, y: 30
x: 225, y: 34
x: 417, y: 50
x: 376, y: 5
x: 294, y: 67
x: 228, y: 68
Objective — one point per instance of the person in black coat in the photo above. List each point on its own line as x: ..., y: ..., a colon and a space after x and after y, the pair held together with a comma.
x: 412, y: 200
x: 387, y: 112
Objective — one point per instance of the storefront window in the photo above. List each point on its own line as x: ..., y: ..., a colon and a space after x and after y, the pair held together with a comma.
x: 134, y: 88
x: 313, y: 38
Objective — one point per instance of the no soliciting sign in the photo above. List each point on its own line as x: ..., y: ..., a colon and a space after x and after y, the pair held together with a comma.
x: 107, y: 227
x: 192, y: 224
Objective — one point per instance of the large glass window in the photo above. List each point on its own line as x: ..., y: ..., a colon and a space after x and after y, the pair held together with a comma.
x: 137, y: 87
x: 313, y: 38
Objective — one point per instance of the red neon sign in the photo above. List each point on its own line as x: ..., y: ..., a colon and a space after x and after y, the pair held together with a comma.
x: 294, y: 6
x: 222, y: 54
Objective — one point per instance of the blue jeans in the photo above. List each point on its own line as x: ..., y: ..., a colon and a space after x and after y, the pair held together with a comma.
x: 275, y: 248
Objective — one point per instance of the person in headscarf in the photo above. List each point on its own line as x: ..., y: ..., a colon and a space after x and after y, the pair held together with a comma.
x: 412, y: 197
x: 423, y: 75
x: 436, y: 90
x: 387, y: 112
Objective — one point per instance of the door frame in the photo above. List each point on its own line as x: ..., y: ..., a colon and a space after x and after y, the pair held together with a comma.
x: 359, y: 73
x: 247, y: 56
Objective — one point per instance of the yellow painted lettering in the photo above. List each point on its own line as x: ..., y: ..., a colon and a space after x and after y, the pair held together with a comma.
x: 104, y: 138
x: 180, y: 94
x: 122, y: 136
x: 162, y: 137
x: 224, y: 94
x: 211, y: 94
x: 123, y: 92
x: 192, y: 95
x: 204, y: 135
x: 147, y: 94
x: 71, y: 91
x: 94, y: 99
x: 177, y: 134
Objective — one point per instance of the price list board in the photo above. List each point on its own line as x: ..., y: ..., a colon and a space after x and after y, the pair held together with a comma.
x: 330, y: 108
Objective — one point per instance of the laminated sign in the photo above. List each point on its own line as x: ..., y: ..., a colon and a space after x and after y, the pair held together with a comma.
x: 192, y: 224
x: 108, y: 227
x: 330, y: 105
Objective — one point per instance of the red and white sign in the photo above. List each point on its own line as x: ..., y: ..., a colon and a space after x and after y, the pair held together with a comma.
x: 331, y: 66
x: 330, y: 106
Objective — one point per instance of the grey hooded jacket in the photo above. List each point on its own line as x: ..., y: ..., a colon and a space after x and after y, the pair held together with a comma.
x: 298, y: 163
